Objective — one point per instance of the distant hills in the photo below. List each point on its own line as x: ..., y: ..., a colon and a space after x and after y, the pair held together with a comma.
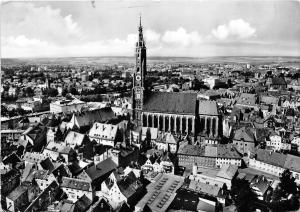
x: 168, y: 60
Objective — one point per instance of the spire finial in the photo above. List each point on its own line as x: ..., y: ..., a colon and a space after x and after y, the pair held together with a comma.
x: 140, y: 19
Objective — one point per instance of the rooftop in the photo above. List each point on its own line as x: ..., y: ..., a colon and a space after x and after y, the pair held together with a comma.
x: 104, y: 131
x: 161, y: 192
x: 208, y: 108
x: 77, y: 184
x: 101, y: 169
x: 188, y: 149
x: 246, y: 99
x: 204, y: 188
x: 17, y: 192
x: 174, y: 103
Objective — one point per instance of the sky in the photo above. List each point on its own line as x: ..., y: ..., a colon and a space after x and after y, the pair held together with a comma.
x: 186, y: 28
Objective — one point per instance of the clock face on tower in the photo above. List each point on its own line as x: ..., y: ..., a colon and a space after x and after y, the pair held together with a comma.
x: 138, y: 77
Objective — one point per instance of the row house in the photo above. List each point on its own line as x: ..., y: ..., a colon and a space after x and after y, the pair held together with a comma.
x: 162, y: 164
x: 208, y: 156
x: 278, y: 143
x: 275, y: 163
x: 166, y: 141
x: 296, y: 141
x: 290, y: 104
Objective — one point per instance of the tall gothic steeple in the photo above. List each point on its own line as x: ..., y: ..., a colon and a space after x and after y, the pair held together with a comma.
x: 139, y: 77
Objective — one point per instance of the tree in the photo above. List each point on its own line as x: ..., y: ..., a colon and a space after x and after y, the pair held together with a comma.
x: 29, y: 91
x: 73, y: 91
x: 287, y: 182
x: 277, y: 194
x: 242, y: 195
x: 64, y: 92
x: 52, y: 92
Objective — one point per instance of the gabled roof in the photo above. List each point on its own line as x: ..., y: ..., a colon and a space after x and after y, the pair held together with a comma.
x: 47, y: 165
x: 167, y: 137
x: 227, y: 171
x: 244, y: 133
x: 28, y: 169
x: 17, y: 192
x: 211, y: 190
x: 34, y: 157
x: 89, y: 117
x: 102, y: 168
x: 227, y: 151
x: 74, y: 138
x: 13, y: 158
x: 261, y: 183
x: 75, y: 183
x: 58, y: 147
x: 273, y: 158
x: 83, y: 203
x: 37, y: 174
x: 104, y: 131
x: 292, y: 163
x: 246, y: 99
x: 102, y: 205
x: 129, y: 185
x: 188, y: 149
x: 174, y: 103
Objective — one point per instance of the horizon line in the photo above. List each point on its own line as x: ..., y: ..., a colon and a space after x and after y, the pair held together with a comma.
x: 191, y: 57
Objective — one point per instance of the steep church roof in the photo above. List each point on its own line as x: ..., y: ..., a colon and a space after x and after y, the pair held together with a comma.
x: 208, y: 108
x: 175, y: 103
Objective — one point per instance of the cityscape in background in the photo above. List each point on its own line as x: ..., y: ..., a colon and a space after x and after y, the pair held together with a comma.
x: 147, y: 133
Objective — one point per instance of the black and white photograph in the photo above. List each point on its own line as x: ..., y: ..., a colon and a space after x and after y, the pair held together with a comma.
x: 150, y: 105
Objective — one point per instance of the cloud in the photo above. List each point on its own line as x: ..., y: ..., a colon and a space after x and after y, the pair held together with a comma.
x: 43, y: 22
x: 22, y: 46
x: 152, y: 36
x: 235, y: 29
x: 181, y: 37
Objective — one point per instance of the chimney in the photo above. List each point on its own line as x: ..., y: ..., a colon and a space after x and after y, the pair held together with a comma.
x: 195, y: 169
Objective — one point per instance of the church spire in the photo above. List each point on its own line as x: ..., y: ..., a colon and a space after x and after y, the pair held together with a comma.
x: 141, y: 37
x: 140, y: 26
x: 140, y: 20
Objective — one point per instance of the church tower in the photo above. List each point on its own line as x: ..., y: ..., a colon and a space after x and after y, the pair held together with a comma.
x: 138, y: 91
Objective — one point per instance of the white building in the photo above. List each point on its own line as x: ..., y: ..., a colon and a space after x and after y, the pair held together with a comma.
x: 56, y: 150
x: 217, y: 177
x: 275, y: 142
x: 42, y: 178
x: 167, y: 142
x: 105, y: 134
x: 76, y: 188
x: 121, y: 188
x: 275, y: 163
x: 33, y: 158
x: 66, y: 106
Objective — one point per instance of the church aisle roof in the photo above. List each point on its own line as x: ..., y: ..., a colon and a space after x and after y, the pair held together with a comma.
x: 208, y: 108
x: 175, y: 103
